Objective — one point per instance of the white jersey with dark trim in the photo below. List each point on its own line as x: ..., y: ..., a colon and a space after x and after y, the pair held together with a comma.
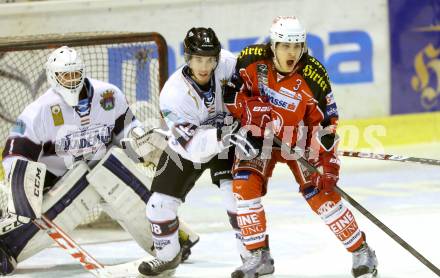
x: 192, y: 115
x: 56, y: 134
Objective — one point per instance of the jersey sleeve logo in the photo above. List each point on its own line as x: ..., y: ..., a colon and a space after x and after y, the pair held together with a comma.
x: 330, y: 99
x: 107, y: 100
x: 57, y: 115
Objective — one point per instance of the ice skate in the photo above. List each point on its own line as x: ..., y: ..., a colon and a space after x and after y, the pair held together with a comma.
x: 260, y: 263
x: 7, y: 262
x: 364, y: 262
x: 186, y: 243
x: 157, y: 267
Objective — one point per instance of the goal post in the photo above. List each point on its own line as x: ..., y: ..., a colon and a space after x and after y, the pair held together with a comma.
x: 135, y: 62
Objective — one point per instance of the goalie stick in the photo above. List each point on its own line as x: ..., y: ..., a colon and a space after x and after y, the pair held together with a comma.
x: 392, y: 157
x: 364, y: 211
x: 89, y: 263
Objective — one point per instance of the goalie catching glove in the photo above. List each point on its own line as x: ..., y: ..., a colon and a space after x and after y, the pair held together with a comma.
x: 144, y: 146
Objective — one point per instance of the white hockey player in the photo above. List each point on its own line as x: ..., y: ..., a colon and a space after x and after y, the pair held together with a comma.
x: 58, y: 162
x: 191, y: 102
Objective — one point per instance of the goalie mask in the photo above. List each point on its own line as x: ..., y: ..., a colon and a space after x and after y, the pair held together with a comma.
x: 287, y: 29
x: 65, y: 74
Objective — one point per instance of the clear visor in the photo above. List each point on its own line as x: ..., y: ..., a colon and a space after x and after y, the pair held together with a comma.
x: 201, y: 62
x: 70, y: 80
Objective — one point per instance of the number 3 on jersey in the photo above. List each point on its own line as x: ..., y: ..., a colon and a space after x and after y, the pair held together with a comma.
x: 298, y: 84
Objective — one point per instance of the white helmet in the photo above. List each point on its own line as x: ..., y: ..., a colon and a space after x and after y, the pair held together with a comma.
x: 287, y: 29
x: 65, y: 73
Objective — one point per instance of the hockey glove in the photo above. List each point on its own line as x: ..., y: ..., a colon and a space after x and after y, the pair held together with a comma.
x: 232, y: 134
x: 328, y: 165
x: 231, y: 88
x: 145, y: 146
x: 256, y: 115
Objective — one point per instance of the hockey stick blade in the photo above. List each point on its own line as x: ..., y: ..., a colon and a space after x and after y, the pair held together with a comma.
x: 64, y: 241
x: 391, y: 157
x: 366, y: 213
x: 125, y: 270
x: 67, y: 243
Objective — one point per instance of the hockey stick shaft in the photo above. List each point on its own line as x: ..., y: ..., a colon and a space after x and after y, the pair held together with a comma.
x: 64, y: 241
x: 89, y: 263
x: 391, y: 157
x: 366, y: 213
x: 388, y: 231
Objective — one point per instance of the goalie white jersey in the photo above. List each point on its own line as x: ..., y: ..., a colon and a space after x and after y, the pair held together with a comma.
x: 193, y: 114
x: 56, y: 134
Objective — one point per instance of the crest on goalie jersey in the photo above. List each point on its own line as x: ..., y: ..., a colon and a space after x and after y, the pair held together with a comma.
x: 108, y: 100
x: 57, y: 115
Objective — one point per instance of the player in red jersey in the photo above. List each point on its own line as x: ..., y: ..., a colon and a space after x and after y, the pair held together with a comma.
x: 284, y: 89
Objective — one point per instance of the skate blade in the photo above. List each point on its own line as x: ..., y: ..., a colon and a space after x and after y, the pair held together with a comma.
x: 258, y: 274
x: 166, y: 273
x: 369, y: 275
x: 124, y: 270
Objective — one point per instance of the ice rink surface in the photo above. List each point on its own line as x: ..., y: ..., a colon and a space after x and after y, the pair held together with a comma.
x: 404, y: 196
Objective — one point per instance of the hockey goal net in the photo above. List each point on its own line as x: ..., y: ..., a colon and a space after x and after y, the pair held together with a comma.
x: 135, y: 62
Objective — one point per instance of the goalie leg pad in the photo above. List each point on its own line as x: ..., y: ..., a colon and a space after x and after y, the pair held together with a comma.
x: 69, y: 201
x: 117, y: 173
x: 26, y: 184
x: 124, y: 188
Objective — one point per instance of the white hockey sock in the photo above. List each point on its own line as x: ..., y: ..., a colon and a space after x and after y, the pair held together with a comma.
x: 162, y: 214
